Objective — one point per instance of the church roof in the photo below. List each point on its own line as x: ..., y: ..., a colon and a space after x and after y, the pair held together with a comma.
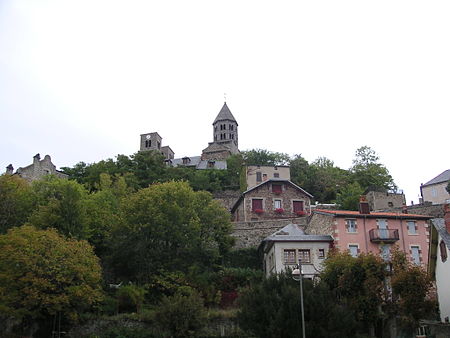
x: 225, y: 114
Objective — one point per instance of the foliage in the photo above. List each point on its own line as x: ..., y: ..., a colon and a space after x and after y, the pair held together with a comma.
x: 130, y: 297
x: 368, y: 172
x: 358, y: 282
x: 272, y: 309
x: 16, y: 201
x: 348, y: 197
x: 243, y: 258
x: 169, y: 226
x: 41, y: 274
x: 265, y: 157
x: 182, y: 315
x: 60, y: 205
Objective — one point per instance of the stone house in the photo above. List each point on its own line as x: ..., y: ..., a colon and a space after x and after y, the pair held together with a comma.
x: 37, y: 169
x: 258, y: 173
x: 283, y: 249
x: 381, y: 199
x: 434, y: 191
x: 439, y: 267
x: 272, y: 199
x: 376, y: 232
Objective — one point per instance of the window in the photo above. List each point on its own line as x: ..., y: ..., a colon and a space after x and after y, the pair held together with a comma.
x: 277, y: 188
x: 390, y: 204
x: 385, y: 252
x: 276, y: 175
x: 297, y: 206
x: 354, y: 249
x: 443, y: 249
x: 304, y: 256
x: 211, y: 164
x: 412, y: 229
x: 351, y: 225
x: 231, y: 127
x: 258, y: 177
x: 415, y: 254
x: 257, y: 204
x: 382, y: 228
x: 321, y: 254
x: 159, y: 145
x: 277, y: 204
x: 289, y: 257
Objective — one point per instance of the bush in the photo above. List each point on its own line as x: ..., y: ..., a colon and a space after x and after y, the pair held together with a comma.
x: 130, y: 298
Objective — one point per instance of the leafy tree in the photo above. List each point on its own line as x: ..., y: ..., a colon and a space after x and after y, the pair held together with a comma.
x: 272, y: 309
x: 368, y: 172
x: 169, y: 226
x: 348, y: 197
x: 265, y: 157
x: 300, y: 172
x: 42, y: 274
x: 60, y: 205
x: 16, y: 201
x: 328, y: 179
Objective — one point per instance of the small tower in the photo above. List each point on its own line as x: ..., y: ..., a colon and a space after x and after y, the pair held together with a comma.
x: 150, y: 141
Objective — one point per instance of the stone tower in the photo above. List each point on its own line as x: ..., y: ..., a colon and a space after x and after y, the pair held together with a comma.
x: 225, y: 136
x: 153, y: 141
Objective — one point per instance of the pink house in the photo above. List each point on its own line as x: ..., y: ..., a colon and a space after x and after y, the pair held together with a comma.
x: 376, y: 232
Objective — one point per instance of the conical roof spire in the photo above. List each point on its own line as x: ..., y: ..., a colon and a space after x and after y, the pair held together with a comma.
x: 225, y: 114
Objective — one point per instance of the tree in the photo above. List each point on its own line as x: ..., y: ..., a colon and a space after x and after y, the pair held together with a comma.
x: 60, y: 205
x: 42, y: 274
x: 265, y: 157
x: 348, y: 197
x: 272, y: 309
x: 16, y: 201
x: 368, y: 172
x: 169, y: 226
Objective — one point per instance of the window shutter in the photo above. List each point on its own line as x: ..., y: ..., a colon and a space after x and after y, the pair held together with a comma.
x: 257, y: 204
x: 276, y: 188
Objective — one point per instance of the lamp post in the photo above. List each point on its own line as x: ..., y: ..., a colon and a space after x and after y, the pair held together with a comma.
x: 297, y: 275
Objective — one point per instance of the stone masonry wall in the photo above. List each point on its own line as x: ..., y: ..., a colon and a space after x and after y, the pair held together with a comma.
x: 250, y: 234
x: 264, y: 192
x: 227, y: 198
x: 321, y: 225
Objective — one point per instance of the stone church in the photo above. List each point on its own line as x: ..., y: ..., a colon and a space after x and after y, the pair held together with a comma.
x: 224, y: 144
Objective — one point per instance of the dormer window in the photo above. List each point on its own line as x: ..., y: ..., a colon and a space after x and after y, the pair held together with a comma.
x: 186, y: 160
x: 211, y: 164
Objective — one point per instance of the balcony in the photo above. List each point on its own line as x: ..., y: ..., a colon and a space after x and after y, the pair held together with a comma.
x: 383, y: 235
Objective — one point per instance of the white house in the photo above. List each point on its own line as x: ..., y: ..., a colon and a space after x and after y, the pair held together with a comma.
x: 284, y: 248
x: 440, y: 262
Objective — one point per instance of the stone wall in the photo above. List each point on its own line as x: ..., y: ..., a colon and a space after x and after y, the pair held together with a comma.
x: 383, y: 200
x: 250, y: 234
x: 39, y: 168
x: 227, y: 198
x: 321, y: 225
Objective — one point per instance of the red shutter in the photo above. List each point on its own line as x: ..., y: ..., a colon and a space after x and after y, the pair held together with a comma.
x: 298, y: 206
x: 276, y: 188
x: 257, y: 204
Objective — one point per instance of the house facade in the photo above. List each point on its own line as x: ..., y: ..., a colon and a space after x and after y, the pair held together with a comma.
x: 256, y: 174
x: 271, y: 199
x: 376, y: 232
x: 439, y: 267
x: 283, y: 249
x: 434, y: 191
x: 380, y: 199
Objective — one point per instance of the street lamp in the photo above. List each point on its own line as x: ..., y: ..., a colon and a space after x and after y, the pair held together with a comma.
x: 297, y: 275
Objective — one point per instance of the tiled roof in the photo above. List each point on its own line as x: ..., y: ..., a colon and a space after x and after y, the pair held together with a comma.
x: 278, y: 180
x: 198, y: 163
x: 294, y: 233
x: 372, y: 214
x: 442, y: 177
x: 225, y: 114
x: 439, y: 224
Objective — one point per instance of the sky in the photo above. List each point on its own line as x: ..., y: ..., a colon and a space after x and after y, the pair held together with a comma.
x: 81, y: 80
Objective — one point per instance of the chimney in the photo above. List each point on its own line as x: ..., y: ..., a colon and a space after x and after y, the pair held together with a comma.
x: 447, y: 216
x: 363, y: 206
x: 36, y: 158
x: 404, y: 209
x: 9, y: 170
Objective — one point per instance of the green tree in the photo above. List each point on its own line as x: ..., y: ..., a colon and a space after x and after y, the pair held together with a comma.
x: 42, y: 274
x: 368, y: 172
x: 16, y: 201
x: 348, y: 197
x: 272, y: 309
x: 265, y: 157
x: 169, y: 226
x: 60, y: 205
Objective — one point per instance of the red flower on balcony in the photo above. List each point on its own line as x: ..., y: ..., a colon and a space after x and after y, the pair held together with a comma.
x: 279, y: 210
x: 300, y: 213
x: 258, y: 211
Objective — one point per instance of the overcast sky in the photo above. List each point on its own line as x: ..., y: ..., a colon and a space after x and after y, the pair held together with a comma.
x: 81, y: 80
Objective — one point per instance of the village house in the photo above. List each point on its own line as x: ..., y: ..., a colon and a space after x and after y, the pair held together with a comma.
x: 434, y: 191
x: 439, y: 267
x: 376, y: 232
x: 283, y: 249
x: 256, y: 174
x: 272, y: 199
